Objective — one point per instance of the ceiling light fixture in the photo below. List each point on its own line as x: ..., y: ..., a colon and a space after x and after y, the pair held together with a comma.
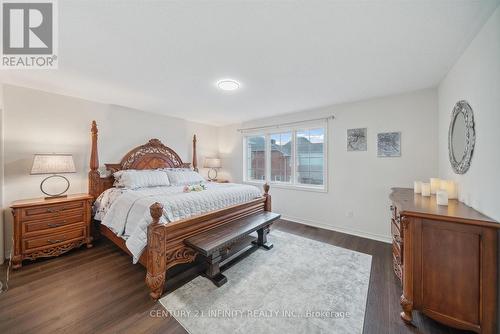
x: 228, y: 84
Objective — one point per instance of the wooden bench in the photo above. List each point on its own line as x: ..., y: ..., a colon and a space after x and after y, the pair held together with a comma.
x: 214, y: 244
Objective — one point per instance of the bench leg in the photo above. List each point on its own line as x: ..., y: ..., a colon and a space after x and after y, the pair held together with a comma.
x: 213, y: 271
x: 262, y: 238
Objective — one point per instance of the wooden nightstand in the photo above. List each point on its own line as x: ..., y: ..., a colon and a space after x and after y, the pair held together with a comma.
x: 50, y: 227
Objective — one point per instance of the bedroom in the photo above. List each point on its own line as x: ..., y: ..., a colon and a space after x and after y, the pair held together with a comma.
x: 345, y: 109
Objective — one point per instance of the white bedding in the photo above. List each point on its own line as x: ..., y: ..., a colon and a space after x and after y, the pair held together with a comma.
x: 126, y: 211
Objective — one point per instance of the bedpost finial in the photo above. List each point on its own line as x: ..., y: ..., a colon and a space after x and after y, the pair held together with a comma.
x: 94, y: 127
x: 267, y: 203
x: 195, y: 160
x: 156, y: 211
x: 266, y: 188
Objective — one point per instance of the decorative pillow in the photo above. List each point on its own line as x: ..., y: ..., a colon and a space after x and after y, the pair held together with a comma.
x: 133, y: 179
x: 181, y: 177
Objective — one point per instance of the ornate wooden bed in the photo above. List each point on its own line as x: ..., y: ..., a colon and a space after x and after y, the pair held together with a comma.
x: 165, y: 244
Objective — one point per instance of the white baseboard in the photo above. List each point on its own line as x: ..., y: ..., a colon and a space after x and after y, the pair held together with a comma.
x: 373, y: 236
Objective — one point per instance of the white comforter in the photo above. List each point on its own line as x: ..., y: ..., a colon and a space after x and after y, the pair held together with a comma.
x: 126, y: 212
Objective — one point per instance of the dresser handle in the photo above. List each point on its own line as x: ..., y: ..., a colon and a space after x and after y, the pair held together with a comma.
x: 53, y: 210
x: 52, y: 241
x: 56, y: 225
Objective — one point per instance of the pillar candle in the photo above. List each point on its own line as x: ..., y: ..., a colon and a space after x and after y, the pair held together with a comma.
x: 435, y: 185
x: 451, y: 188
x: 442, y: 197
x: 417, y: 187
x: 426, y: 189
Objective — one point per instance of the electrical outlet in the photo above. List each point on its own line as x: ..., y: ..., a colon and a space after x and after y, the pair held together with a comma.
x: 350, y: 214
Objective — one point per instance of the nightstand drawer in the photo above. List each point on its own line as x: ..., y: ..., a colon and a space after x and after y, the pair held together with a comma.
x: 50, y: 224
x: 54, y: 239
x: 55, y: 210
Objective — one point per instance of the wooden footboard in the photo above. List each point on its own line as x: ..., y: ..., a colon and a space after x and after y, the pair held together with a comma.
x: 166, y: 246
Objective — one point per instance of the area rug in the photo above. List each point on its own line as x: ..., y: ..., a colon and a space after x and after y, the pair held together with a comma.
x: 299, y: 286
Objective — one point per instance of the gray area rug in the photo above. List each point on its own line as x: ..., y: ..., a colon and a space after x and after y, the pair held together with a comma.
x: 299, y: 286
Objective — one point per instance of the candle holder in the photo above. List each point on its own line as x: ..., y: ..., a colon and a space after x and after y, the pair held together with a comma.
x: 426, y: 189
x: 442, y: 197
x: 435, y: 185
x: 451, y: 188
x: 417, y: 187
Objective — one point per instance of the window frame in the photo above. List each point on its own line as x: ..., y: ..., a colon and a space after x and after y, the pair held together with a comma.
x: 293, y: 184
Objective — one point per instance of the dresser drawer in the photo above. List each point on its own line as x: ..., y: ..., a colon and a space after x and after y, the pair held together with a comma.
x: 54, y: 239
x: 54, y: 210
x: 49, y: 225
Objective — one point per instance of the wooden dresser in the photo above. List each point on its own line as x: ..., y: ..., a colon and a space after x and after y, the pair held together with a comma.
x: 446, y: 258
x: 50, y: 227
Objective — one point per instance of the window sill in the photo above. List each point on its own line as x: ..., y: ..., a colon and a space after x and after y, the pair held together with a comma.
x: 282, y: 185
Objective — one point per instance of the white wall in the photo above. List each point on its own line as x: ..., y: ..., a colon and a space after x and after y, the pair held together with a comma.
x: 359, y: 182
x: 476, y: 78
x: 39, y: 122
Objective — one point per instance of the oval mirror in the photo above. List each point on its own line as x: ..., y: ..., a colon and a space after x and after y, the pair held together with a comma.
x: 461, y: 137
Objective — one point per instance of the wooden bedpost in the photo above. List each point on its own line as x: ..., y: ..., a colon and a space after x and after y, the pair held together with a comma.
x: 157, y: 264
x: 195, y: 160
x: 267, y: 204
x: 94, y: 164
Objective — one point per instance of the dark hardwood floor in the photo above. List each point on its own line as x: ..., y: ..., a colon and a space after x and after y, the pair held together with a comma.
x: 98, y: 290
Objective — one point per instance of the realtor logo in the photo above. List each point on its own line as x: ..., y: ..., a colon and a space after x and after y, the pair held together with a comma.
x: 29, y: 34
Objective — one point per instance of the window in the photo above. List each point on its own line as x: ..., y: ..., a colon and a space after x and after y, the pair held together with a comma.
x: 281, y: 157
x: 295, y: 157
x: 256, y: 158
x: 310, y: 158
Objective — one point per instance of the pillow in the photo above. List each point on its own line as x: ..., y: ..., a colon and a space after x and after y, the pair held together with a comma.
x: 183, y: 169
x: 182, y: 177
x: 134, y: 179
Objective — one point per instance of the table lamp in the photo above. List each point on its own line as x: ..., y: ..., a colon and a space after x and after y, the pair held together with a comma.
x: 213, y: 164
x: 54, y: 164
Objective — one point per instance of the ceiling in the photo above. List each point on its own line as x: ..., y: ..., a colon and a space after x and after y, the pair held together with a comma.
x: 166, y: 56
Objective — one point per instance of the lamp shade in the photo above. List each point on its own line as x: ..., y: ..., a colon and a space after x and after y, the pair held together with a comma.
x: 211, y: 163
x: 53, y: 164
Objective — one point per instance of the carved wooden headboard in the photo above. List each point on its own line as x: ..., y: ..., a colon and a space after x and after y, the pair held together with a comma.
x: 151, y: 155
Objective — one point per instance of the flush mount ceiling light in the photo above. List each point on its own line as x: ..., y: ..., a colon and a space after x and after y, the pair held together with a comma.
x: 228, y: 84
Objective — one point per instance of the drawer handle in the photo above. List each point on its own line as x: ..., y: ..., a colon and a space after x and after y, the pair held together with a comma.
x: 55, y: 241
x: 51, y: 210
x: 56, y: 225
